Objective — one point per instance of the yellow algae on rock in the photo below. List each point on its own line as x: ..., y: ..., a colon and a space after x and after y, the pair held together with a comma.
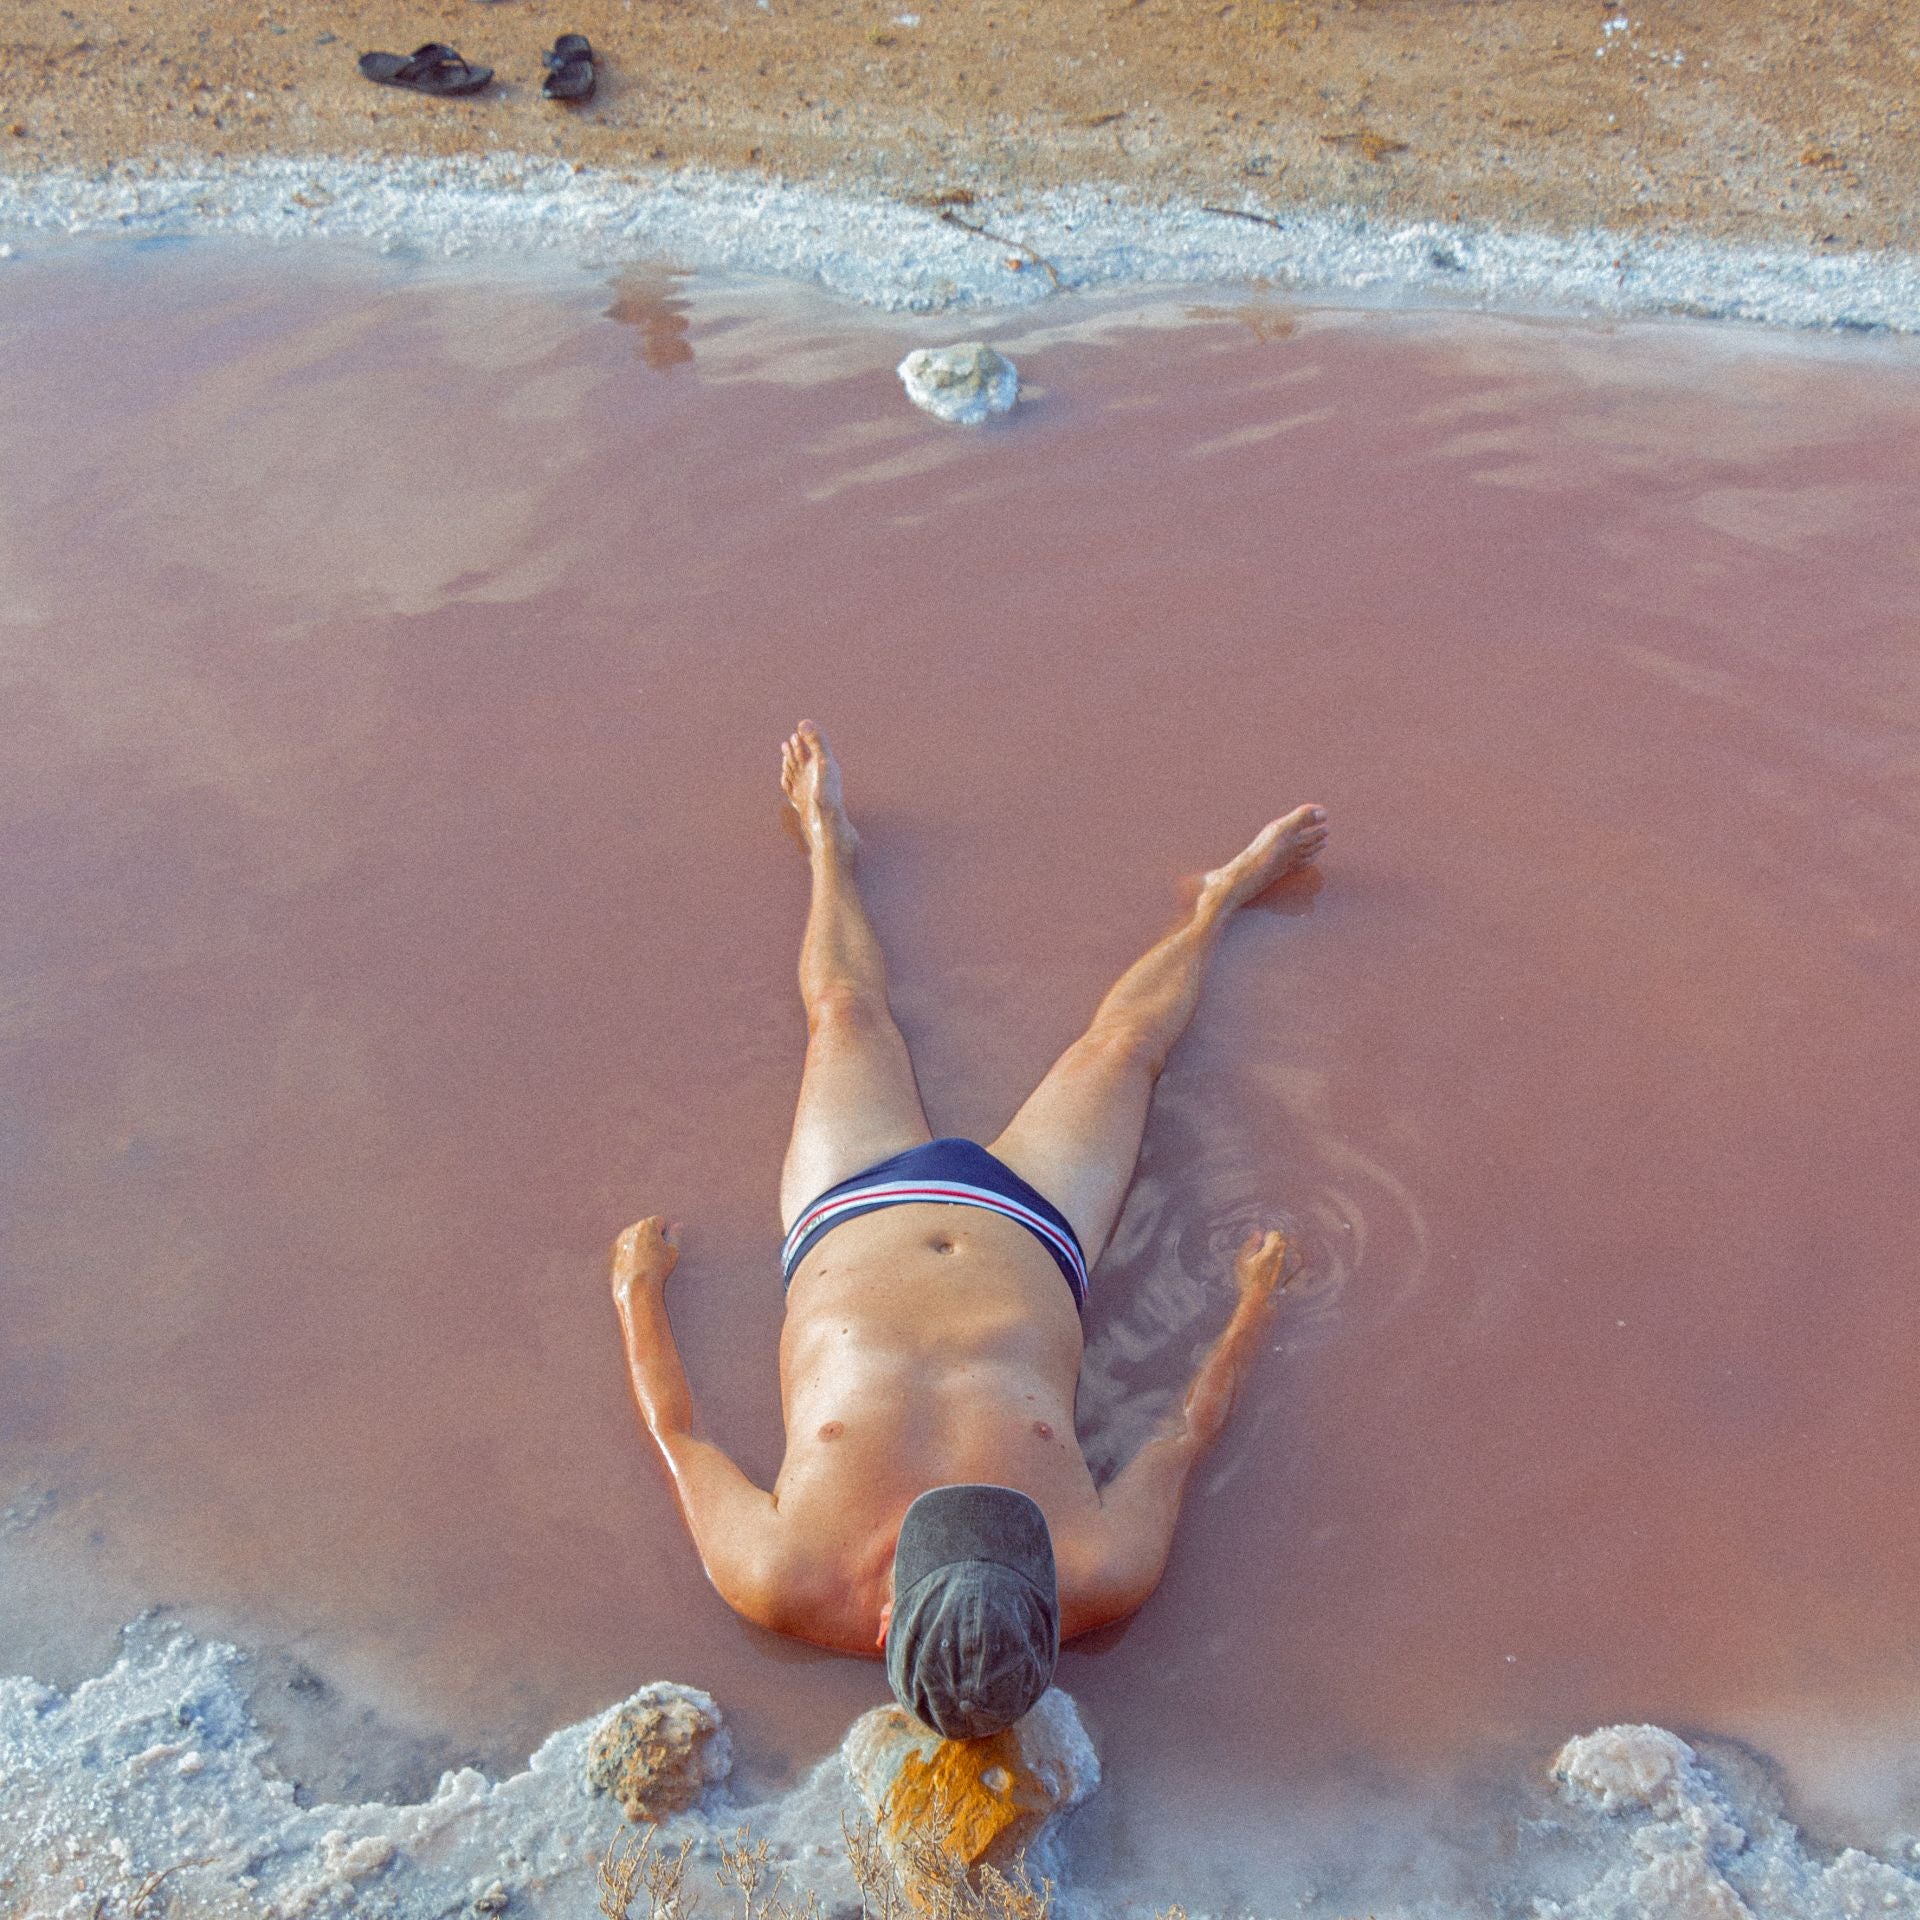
x: 972, y: 1789
x: 986, y: 1801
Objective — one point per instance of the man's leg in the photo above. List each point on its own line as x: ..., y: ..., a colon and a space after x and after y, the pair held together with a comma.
x: 1078, y: 1135
x: 859, y: 1101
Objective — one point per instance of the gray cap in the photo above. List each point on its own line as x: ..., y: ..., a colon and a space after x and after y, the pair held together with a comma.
x: 975, y: 1633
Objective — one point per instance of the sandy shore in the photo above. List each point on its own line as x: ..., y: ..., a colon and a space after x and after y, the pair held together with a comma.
x: 1763, y: 122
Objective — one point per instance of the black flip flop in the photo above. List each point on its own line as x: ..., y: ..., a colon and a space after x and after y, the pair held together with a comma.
x: 570, y: 71
x: 429, y: 69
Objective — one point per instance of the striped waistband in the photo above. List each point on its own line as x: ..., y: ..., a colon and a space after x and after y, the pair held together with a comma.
x: 844, y: 1202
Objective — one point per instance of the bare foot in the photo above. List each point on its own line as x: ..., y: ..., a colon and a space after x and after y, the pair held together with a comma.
x: 1290, y: 843
x: 810, y: 778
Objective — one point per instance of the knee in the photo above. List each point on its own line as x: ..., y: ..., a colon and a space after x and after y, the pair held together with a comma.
x: 1123, y: 1047
x: 843, y: 1007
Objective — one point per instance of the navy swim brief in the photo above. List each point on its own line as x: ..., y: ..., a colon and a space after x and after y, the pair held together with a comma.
x: 953, y: 1173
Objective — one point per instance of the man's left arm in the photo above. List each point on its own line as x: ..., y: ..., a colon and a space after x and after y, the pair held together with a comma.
x: 1140, y: 1505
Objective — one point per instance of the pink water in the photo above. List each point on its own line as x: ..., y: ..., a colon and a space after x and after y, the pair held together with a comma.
x: 396, y: 903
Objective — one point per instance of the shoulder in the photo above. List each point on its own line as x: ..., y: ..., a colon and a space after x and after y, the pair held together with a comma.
x: 789, y: 1584
x: 1106, y: 1568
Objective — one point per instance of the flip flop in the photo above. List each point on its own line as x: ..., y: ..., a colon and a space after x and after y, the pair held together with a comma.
x: 429, y: 69
x: 570, y: 72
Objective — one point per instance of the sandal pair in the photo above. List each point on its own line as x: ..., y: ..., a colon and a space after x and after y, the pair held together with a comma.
x: 439, y: 70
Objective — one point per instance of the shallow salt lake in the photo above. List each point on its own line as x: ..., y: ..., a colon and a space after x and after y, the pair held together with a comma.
x: 397, y: 902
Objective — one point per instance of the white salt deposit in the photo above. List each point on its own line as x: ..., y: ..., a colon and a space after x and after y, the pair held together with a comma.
x: 1692, y: 1852
x: 155, y: 1775
x: 902, y: 257
x: 157, y: 1767
x: 966, y: 384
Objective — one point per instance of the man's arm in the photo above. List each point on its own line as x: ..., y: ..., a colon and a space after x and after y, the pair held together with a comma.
x: 1141, y: 1503
x: 732, y: 1521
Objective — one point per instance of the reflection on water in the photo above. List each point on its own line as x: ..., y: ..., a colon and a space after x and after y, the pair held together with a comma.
x: 644, y: 299
x: 397, y: 903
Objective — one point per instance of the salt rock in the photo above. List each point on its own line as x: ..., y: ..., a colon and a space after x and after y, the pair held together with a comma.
x: 994, y: 1798
x: 1622, y: 1769
x: 1648, y: 1770
x: 660, y: 1750
x: 1688, y: 1832
x: 964, y: 384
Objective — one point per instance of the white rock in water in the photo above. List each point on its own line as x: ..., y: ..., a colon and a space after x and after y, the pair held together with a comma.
x: 963, y: 384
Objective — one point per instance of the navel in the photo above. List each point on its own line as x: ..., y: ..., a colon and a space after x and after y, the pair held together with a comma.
x: 832, y: 1430
x: 941, y: 1244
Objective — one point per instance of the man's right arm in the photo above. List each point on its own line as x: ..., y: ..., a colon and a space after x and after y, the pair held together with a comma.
x: 733, y: 1522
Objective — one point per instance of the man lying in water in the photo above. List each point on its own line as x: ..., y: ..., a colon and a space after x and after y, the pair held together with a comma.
x: 933, y: 1502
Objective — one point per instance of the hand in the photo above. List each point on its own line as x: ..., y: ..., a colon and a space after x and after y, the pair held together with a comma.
x: 1258, y: 1270
x: 643, y: 1256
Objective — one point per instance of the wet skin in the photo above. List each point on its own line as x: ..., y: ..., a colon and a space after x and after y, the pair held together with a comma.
x: 925, y: 1344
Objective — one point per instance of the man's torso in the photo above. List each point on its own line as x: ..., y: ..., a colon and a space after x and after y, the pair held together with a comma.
x: 923, y: 1345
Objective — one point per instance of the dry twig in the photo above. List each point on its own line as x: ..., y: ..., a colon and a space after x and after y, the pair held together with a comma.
x: 151, y: 1884
x: 1376, y: 146
x: 1240, y: 213
x: 1040, y: 260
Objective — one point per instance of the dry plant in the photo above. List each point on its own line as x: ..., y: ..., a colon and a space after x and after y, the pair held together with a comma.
x: 928, y: 1878
x: 743, y: 1868
x: 628, y: 1868
x: 880, y: 1895
x: 930, y: 1882
x: 631, y: 1868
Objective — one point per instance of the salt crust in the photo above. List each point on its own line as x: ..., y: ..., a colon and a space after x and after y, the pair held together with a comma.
x: 1691, y: 1853
x: 158, y: 1764
x: 97, y: 1792
x: 904, y: 258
